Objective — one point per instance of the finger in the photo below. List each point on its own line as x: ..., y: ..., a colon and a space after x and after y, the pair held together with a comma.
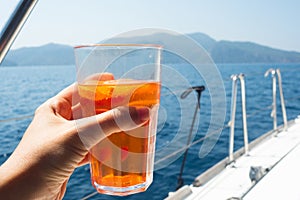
x: 69, y: 94
x: 69, y: 97
x: 61, y: 107
x: 61, y: 103
x: 76, y: 111
x: 63, y: 190
x: 92, y: 130
x: 84, y: 161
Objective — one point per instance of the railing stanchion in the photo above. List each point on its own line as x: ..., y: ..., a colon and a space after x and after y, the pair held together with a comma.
x: 232, y: 115
x: 282, y: 100
x: 232, y: 118
x: 243, y: 93
x: 274, y: 110
x: 274, y: 104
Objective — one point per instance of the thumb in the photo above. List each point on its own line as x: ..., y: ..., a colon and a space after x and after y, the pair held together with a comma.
x: 92, y: 130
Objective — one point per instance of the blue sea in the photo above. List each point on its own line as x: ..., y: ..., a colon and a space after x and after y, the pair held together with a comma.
x: 23, y: 89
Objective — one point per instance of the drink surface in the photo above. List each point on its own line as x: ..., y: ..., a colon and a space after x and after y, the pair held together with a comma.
x: 105, y: 95
x: 123, y: 159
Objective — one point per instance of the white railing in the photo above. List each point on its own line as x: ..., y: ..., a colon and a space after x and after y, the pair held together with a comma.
x: 231, y: 123
x: 274, y: 72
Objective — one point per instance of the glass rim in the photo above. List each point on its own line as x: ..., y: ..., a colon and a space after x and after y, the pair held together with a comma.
x: 118, y: 45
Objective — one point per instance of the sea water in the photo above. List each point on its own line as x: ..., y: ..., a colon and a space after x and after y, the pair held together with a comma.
x: 23, y: 89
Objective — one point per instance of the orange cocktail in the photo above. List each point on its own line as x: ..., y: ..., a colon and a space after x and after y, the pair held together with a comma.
x: 122, y: 162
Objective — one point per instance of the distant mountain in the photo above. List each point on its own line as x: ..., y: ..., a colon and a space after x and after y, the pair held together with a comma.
x: 7, y: 62
x: 220, y: 51
x: 49, y: 54
x: 207, y: 42
x: 248, y: 52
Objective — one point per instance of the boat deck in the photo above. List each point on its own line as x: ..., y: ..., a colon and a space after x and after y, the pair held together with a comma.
x: 275, y: 164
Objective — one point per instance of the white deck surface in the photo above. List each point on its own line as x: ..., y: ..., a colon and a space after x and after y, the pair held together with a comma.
x: 281, y: 154
x: 282, y: 182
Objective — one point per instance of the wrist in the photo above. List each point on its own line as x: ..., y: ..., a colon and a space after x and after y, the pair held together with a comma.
x: 21, y: 180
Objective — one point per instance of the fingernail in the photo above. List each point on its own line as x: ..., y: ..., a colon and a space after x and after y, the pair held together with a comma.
x: 143, y: 114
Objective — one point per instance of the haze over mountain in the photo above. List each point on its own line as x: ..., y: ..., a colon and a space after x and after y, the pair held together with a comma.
x: 49, y: 54
x: 220, y: 51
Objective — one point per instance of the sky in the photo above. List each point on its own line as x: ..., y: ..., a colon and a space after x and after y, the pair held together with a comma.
x: 274, y: 23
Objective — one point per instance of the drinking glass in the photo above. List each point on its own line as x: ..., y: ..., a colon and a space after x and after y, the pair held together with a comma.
x: 110, y: 76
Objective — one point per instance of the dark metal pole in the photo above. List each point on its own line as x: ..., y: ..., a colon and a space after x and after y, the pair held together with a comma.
x: 198, y: 89
x: 14, y: 25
